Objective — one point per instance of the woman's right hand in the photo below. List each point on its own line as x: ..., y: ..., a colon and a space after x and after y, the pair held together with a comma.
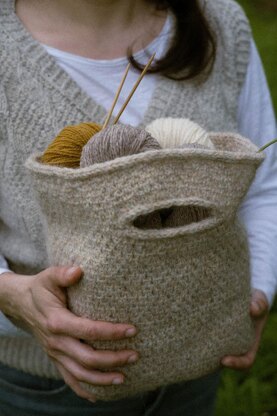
x: 40, y: 303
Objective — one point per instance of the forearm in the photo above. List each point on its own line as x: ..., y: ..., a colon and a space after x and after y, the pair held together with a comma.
x: 13, y: 289
x: 8, y: 325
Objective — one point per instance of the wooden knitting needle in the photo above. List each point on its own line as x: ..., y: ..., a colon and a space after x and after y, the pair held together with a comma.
x: 116, y: 96
x: 267, y: 145
x: 134, y: 88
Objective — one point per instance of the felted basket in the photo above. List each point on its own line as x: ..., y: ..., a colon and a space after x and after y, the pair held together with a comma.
x: 185, y: 288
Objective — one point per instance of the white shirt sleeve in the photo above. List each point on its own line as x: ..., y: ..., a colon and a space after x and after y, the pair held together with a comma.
x: 6, y: 326
x: 3, y: 265
x: 258, y: 212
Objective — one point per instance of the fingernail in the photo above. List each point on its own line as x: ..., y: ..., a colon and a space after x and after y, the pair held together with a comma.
x: 130, y: 332
x: 117, y: 381
x: 72, y: 269
x: 132, y: 359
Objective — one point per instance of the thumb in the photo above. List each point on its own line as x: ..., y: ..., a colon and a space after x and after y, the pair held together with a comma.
x: 259, y: 304
x: 64, y: 276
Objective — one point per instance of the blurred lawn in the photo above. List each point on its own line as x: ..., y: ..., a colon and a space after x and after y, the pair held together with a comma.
x: 254, y: 393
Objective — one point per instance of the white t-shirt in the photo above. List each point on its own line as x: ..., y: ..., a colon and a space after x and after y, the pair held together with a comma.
x: 101, y: 78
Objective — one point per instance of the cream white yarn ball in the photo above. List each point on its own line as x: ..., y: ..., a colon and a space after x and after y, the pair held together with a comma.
x: 177, y: 132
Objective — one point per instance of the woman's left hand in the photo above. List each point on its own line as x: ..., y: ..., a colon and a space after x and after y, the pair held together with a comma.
x: 259, y: 308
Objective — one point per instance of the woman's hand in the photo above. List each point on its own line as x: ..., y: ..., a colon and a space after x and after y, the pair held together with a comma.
x: 40, y: 302
x: 259, y: 312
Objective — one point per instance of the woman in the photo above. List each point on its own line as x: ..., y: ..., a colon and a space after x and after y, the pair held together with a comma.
x: 61, y: 62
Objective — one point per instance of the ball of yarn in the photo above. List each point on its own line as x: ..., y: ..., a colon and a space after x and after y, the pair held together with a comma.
x: 185, y: 215
x: 117, y: 141
x: 192, y: 146
x: 176, y: 132
x: 150, y: 221
x: 65, y: 150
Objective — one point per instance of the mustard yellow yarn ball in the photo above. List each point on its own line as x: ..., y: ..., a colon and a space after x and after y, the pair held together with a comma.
x: 65, y: 150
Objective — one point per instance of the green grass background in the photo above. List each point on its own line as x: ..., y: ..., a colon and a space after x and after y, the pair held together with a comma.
x: 254, y: 393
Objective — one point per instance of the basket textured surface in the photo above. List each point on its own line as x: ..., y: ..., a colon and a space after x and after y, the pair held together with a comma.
x: 185, y: 288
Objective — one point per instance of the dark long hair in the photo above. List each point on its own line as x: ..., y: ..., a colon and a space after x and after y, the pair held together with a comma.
x: 193, y: 47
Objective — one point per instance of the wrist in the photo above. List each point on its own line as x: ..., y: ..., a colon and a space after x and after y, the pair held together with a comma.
x: 6, y: 272
x: 13, y: 290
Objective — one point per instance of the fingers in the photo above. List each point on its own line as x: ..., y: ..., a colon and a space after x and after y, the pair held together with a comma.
x: 259, y: 304
x: 93, y: 377
x: 66, y: 323
x: 62, y: 276
x: 73, y: 383
x: 60, y: 332
x: 244, y: 362
x: 89, y: 358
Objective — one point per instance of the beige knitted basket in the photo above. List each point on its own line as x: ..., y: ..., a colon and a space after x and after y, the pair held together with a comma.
x: 185, y: 288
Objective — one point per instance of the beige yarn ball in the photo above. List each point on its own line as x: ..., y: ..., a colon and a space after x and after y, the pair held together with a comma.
x: 178, y: 132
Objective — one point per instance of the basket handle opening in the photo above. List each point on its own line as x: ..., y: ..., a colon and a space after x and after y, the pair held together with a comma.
x: 172, y: 217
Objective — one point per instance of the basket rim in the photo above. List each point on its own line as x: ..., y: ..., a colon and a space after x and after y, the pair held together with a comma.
x: 249, y: 155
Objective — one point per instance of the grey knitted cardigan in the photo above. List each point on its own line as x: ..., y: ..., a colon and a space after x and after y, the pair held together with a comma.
x: 37, y: 99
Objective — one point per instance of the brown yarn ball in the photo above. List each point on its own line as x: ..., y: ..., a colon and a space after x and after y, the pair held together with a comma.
x: 185, y: 215
x: 150, y: 221
x: 175, y: 216
x: 65, y: 150
x: 117, y: 141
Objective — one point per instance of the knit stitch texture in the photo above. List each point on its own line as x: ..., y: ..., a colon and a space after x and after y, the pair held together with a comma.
x: 185, y: 288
